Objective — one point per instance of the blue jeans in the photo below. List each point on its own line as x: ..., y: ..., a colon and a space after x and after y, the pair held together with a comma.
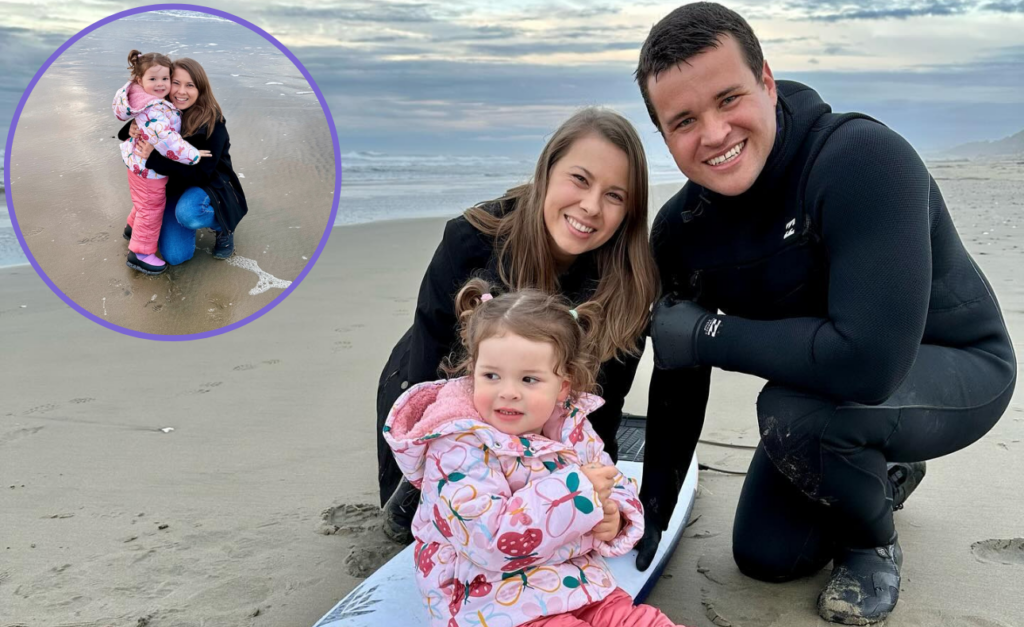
x: 191, y: 212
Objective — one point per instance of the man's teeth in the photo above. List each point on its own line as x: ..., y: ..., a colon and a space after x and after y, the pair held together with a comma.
x: 729, y: 156
x: 580, y: 227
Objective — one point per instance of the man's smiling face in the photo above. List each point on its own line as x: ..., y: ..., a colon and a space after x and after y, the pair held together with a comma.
x: 718, y: 121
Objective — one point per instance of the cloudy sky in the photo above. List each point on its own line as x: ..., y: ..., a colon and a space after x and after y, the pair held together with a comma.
x: 494, y: 77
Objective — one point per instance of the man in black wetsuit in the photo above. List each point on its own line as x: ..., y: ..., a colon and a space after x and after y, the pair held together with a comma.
x: 842, y: 281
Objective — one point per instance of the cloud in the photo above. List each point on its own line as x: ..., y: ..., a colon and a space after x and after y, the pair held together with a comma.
x: 839, y: 10
x: 397, y: 12
x: 524, y: 48
x: 843, y: 50
x: 1004, y: 7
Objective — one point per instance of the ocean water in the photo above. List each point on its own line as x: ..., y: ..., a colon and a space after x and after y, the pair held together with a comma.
x: 377, y: 186
x: 10, y: 250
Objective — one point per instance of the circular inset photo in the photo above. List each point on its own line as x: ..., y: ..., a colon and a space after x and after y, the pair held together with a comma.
x: 172, y: 174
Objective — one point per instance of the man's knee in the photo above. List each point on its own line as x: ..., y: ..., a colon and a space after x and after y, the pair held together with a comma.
x: 764, y: 561
x: 772, y: 561
x: 792, y: 424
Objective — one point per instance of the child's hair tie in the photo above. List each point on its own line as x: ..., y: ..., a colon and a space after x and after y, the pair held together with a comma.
x: 485, y: 297
x: 575, y: 316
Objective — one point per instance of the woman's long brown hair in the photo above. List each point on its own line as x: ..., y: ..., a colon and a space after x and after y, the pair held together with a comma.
x: 628, y: 280
x: 206, y: 111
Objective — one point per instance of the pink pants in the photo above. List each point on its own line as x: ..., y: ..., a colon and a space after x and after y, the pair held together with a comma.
x: 148, y: 199
x: 615, y: 610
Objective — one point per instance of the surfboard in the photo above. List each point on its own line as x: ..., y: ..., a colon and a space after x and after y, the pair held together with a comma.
x: 389, y: 597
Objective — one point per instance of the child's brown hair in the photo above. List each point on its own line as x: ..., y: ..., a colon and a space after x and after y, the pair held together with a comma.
x: 533, y: 315
x: 138, y: 63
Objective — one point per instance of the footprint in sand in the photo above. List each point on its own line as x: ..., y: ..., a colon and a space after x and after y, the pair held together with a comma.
x: 79, y: 401
x: 41, y: 409
x: 271, y: 362
x: 1010, y: 552
x: 206, y: 387
x: 18, y: 434
x: 244, y: 367
x: 99, y: 237
x: 361, y: 524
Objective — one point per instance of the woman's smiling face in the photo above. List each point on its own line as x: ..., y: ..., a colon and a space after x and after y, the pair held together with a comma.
x: 587, y: 197
x: 184, y: 92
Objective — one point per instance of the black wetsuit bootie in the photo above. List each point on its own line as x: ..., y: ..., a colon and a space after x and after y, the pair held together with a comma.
x: 225, y: 246
x: 128, y: 232
x: 399, y: 512
x: 864, y: 586
x: 904, y: 479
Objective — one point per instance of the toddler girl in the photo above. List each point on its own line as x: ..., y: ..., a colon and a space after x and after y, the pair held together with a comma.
x: 159, y: 122
x: 519, y: 503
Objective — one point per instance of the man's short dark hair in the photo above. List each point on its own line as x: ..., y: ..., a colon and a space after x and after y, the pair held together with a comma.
x: 688, y: 31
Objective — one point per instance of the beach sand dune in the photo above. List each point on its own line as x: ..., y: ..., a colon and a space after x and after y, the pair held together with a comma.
x: 70, y: 190
x: 227, y: 519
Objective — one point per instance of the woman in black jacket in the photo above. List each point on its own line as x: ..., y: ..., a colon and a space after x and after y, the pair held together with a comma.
x: 579, y: 229
x: 206, y: 195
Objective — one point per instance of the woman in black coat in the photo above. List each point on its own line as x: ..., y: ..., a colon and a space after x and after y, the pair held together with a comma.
x: 208, y: 194
x: 578, y: 229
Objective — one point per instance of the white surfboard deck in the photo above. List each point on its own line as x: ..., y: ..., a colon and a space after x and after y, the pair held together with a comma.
x: 390, y: 598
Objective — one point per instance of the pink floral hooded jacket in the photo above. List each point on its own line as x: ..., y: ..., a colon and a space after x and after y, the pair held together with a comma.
x: 160, y: 124
x: 503, y: 526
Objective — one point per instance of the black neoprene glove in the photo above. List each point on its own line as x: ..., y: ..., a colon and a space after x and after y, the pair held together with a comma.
x: 674, y: 328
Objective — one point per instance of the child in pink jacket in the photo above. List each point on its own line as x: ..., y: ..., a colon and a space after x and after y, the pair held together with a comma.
x: 159, y: 122
x: 519, y: 503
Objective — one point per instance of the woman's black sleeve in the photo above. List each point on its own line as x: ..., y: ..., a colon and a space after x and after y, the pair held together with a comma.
x: 615, y: 378
x: 123, y: 133
x: 435, y: 325
x: 193, y: 175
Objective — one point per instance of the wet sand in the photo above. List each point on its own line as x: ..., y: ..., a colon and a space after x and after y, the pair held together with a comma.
x: 70, y: 191
x: 248, y: 512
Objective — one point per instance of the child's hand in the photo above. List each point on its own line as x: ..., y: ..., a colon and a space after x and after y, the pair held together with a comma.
x: 603, y: 478
x: 608, y: 528
x: 205, y: 153
x: 143, y: 150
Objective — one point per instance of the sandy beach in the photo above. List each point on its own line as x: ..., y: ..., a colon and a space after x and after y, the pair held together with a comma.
x: 70, y: 192
x: 196, y: 497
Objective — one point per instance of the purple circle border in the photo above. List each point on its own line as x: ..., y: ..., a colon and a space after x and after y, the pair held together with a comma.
x: 337, y: 175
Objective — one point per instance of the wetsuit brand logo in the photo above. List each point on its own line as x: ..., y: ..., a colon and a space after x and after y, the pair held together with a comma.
x: 790, y: 228
x: 711, y: 327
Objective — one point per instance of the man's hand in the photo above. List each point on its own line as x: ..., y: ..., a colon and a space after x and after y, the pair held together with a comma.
x: 648, y: 545
x: 603, y: 478
x: 674, y: 328
x: 608, y: 528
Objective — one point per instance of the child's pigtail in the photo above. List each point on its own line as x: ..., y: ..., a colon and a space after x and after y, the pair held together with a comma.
x: 467, y: 301
x: 469, y: 298
x: 133, y: 62
x: 585, y: 362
